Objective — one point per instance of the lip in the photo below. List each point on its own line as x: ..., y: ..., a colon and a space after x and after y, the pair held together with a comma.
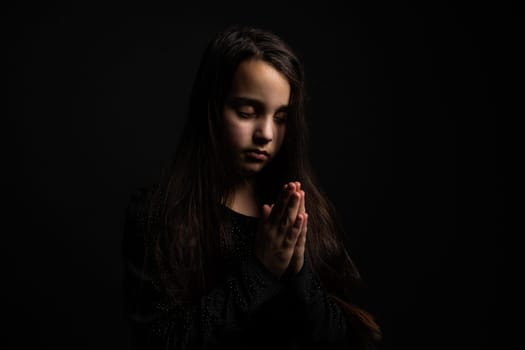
x: 257, y: 154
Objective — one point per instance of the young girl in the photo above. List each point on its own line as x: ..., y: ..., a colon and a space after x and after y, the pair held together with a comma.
x: 237, y: 247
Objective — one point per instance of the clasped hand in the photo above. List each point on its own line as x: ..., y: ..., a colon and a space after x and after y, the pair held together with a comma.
x: 281, y: 239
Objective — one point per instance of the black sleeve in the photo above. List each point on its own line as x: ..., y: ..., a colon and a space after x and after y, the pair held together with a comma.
x: 219, y: 316
x: 324, y: 324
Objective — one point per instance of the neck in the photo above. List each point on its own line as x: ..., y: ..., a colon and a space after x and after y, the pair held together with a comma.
x: 245, y: 200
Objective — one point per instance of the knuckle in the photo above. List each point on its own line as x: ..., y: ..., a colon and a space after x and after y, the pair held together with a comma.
x: 284, y: 223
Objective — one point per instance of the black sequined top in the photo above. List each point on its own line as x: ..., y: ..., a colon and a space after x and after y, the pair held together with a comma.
x: 251, y: 310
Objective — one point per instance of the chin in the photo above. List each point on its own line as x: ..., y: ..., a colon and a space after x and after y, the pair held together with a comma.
x: 252, y: 169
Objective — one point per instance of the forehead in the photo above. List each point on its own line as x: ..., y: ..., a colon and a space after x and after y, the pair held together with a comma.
x: 258, y: 80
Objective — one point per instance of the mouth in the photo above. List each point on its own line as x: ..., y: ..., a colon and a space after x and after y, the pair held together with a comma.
x: 257, y: 154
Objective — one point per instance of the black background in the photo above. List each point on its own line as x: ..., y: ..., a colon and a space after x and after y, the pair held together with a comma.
x: 405, y: 139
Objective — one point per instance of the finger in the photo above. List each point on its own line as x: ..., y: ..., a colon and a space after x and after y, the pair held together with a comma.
x: 280, y: 201
x: 302, y: 206
x: 301, y: 240
x: 266, y: 210
x: 294, y: 232
x: 281, y: 204
x: 300, y: 244
x: 290, y: 215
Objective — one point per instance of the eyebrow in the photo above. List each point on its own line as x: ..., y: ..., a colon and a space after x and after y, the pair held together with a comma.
x: 240, y: 100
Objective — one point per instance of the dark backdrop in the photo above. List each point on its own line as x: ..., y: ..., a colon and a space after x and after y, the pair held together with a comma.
x: 399, y: 99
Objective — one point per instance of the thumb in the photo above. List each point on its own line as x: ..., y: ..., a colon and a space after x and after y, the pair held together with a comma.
x: 266, y: 210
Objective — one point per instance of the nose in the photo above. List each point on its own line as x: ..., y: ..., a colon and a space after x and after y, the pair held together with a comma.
x: 263, y: 132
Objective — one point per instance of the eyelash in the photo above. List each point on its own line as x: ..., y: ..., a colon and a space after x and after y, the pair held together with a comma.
x: 281, y: 120
x: 243, y: 115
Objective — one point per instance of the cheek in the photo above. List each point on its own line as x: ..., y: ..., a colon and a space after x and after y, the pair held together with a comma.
x: 236, y: 134
x: 280, y: 135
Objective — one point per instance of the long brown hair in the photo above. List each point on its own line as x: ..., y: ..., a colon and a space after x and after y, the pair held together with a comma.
x: 190, y: 236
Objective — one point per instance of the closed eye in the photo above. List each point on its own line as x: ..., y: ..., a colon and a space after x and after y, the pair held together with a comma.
x: 246, y: 115
x: 281, y: 117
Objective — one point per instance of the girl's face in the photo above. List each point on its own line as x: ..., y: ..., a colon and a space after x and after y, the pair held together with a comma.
x: 255, y: 115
